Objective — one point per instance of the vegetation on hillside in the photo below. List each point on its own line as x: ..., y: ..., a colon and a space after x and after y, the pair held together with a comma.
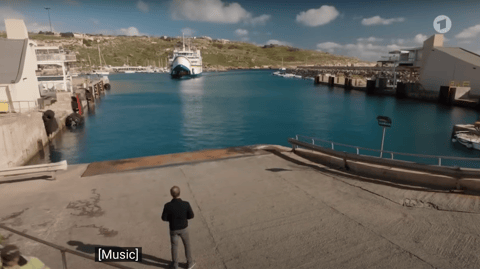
x: 154, y: 51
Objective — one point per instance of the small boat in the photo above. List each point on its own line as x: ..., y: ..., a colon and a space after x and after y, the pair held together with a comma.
x: 100, y: 72
x: 130, y: 71
x: 467, y: 135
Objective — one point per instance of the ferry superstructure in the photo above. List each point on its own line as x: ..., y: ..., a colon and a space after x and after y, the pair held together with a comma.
x: 185, y: 62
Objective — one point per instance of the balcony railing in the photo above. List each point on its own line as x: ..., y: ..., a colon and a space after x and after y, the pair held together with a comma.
x: 56, y: 58
x: 70, y: 58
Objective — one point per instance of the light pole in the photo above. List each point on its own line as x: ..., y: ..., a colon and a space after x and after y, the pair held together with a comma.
x: 384, y: 122
x: 48, y: 10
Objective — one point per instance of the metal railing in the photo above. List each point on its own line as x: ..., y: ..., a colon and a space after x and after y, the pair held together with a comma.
x: 19, y: 108
x: 50, y: 57
x: 62, y: 250
x: 70, y: 57
x: 56, y: 57
x: 438, y: 159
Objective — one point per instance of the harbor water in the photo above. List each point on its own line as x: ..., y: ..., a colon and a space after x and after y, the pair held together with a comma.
x: 152, y: 114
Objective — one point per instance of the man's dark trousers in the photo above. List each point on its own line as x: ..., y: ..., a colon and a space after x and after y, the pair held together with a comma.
x: 183, y: 233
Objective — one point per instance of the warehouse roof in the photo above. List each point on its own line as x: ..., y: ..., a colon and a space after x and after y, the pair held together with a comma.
x: 462, y: 54
x: 12, y: 53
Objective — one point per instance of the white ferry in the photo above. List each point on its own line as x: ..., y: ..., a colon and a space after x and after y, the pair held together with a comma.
x: 185, y: 62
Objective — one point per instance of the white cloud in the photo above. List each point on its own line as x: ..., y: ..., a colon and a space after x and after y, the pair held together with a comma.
x: 130, y: 31
x: 213, y: 11
x: 377, y: 20
x: 36, y: 27
x: 470, y: 32
x: 465, y: 42
x: 277, y: 42
x: 420, y: 38
x: 370, y: 39
x: 241, y: 32
x: 317, y: 17
x: 260, y: 20
x: 142, y: 6
x: 188, y: 31
x: 328, y: 46
x: 400, y: 41
x: 368, y: 52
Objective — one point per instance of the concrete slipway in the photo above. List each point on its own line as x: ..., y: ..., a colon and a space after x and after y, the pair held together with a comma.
x: 256, y: 208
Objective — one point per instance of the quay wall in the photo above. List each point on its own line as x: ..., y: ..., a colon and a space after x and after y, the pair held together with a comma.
x: 23, y: 136
x: 393, y: 174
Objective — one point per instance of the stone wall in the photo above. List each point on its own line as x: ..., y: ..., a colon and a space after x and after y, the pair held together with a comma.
x: 20, y: 135
x: 416, y: 91
x: 23, y: 135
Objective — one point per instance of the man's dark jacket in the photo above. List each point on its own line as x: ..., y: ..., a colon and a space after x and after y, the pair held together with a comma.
x: 177, y: 212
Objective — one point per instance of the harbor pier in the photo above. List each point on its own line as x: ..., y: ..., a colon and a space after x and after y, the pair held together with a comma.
x: 255, y: 207
x: 25, y: 135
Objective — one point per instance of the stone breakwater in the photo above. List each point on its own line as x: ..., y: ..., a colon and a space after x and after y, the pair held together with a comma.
x: 357, y: 72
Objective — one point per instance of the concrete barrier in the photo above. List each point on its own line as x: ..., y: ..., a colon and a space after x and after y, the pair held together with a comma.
x: 392, y: 170
x: 391, y: 174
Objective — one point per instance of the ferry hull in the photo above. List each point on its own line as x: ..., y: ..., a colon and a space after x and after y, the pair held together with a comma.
x: 181, y: 67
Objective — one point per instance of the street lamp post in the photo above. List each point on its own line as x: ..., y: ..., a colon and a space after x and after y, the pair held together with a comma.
x: 385, y: 122
x: 48, y: 10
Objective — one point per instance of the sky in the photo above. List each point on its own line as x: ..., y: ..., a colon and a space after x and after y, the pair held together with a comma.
x: 362, y: 29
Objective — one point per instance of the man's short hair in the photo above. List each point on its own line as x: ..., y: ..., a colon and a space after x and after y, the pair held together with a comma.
x: 9, y: 253
x: 175, y: 191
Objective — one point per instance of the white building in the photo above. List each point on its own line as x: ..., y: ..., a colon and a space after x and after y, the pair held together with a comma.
x: 443, y: 66
x: 18, y: 81
x: 79, y: 35
x: 53, y: 70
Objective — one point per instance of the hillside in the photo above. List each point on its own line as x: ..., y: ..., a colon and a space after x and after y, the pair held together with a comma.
x: 140, y: 50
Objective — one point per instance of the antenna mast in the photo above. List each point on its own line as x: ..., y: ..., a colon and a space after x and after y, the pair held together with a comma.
x: 183, y: 35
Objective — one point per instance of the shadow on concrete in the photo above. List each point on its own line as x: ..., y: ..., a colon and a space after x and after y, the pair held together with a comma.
x: 341, y: 172
x: 146, y: 259
x: 15, y: 179
x: 277, y: 170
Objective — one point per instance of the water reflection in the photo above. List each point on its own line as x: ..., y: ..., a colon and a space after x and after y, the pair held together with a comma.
x: 151, y: 114
x: 195, y: 119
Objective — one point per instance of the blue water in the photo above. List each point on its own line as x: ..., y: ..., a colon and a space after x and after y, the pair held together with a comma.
x: 152, y: 114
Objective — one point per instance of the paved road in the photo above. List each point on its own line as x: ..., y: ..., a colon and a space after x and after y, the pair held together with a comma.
x: 258, y: 211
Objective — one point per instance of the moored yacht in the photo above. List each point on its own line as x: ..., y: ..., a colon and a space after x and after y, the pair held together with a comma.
x: 467, y: 135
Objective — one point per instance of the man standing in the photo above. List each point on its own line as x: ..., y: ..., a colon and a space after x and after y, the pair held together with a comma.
x: 177, y: 213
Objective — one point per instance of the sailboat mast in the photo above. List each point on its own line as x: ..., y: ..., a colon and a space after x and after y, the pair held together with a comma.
x: 183, y: 35
x: 100, y: 55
